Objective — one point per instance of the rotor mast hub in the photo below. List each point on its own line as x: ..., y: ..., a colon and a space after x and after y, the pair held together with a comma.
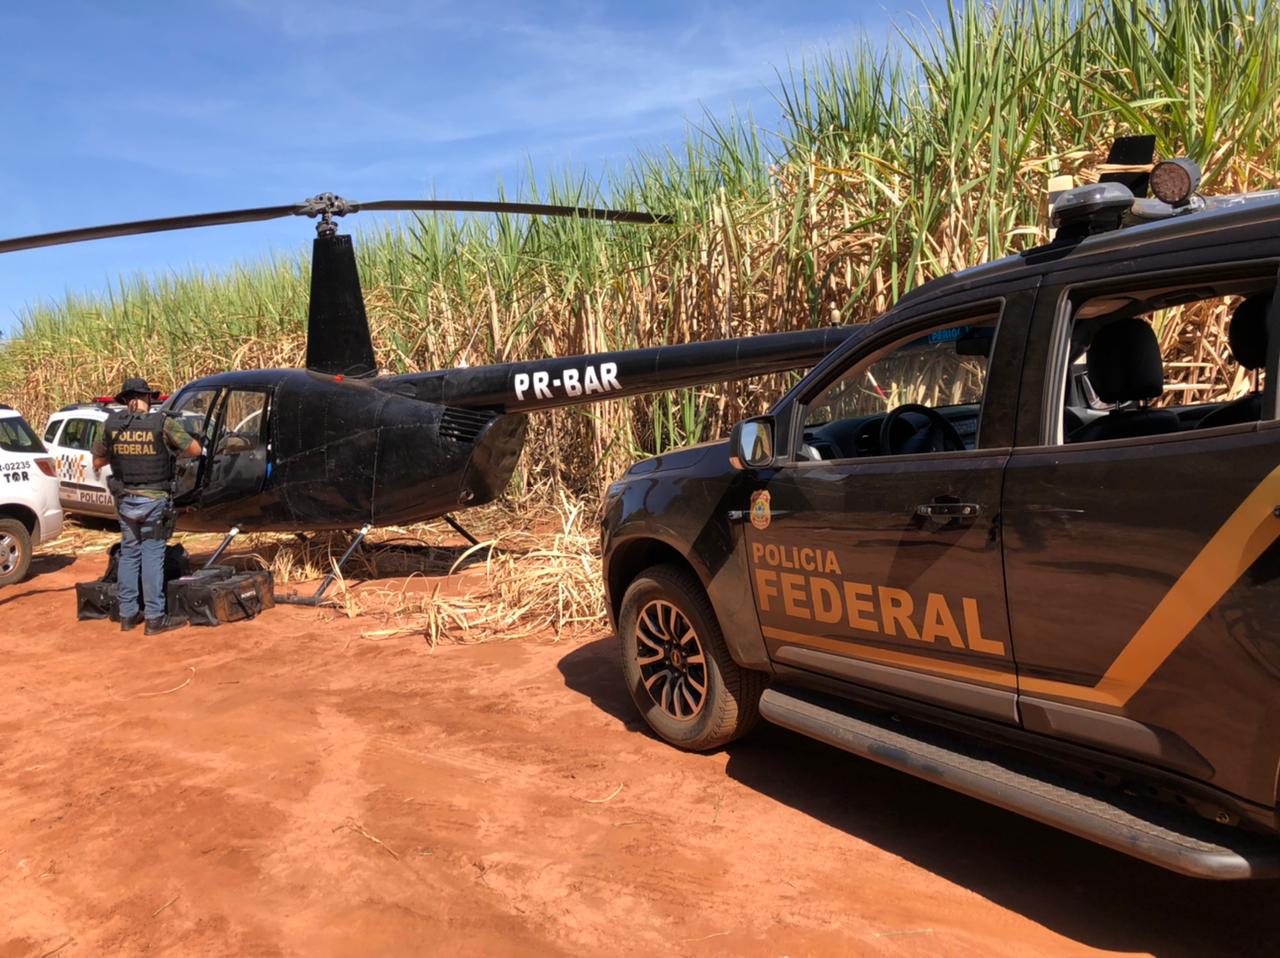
x: 326, y: 206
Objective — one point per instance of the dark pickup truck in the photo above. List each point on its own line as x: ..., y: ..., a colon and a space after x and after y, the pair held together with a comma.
x: 983, y: 543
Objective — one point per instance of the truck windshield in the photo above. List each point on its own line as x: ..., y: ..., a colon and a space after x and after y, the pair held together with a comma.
x: 947, y: 367
x: 16, y: 436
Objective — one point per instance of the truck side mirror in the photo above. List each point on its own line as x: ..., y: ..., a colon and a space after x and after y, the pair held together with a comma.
x: 751, y: 443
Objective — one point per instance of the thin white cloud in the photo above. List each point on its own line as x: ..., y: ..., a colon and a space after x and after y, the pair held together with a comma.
x: 600, y: 73
x: 315, y: 19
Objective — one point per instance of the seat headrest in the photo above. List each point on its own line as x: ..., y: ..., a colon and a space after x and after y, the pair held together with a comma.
x: 1124, y: 362
x: 1247, y: 333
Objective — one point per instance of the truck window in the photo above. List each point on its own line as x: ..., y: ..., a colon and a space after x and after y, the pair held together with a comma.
x: 1157, y: 360
x: 80, y: 434
x: 17, y: 436
x: 944, y: 370
x: 51, y: 430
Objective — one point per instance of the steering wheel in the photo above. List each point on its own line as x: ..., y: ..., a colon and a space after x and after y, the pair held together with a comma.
x: 938, y: 435
x: 234, y: 443
x: 243, y: 423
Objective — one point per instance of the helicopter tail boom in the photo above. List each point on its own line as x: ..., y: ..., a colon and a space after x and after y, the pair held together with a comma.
x: 549, y: 383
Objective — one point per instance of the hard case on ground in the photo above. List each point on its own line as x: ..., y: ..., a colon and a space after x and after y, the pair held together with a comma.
x: 98, y: 599
x: 176, y: 562
x: 209, y: 600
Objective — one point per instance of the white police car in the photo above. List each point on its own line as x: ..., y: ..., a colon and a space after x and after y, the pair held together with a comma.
x: 30, y: 513
x: 70, y: 436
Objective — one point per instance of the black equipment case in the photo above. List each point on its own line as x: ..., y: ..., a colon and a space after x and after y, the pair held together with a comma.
x: 209, y: 598
x: 98, y: 600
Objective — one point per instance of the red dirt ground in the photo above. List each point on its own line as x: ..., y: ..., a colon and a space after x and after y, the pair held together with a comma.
x: 312, y: 792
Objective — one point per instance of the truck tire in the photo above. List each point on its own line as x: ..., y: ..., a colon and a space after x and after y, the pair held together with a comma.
x: 676, y: 664
x: 15, y: 551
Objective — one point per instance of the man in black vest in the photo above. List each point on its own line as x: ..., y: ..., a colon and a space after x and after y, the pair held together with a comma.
x: 141, y: 446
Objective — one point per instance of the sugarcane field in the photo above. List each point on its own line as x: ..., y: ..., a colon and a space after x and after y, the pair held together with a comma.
x: 776, y: 482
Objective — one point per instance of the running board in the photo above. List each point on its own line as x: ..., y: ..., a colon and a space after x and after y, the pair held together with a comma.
x: 1178, y: 841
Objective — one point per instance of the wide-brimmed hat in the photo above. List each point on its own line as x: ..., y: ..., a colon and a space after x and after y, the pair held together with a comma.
x: 136, y: 386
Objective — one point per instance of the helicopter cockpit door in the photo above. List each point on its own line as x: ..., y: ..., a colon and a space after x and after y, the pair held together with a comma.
x: 194, y: 409
x: 236, y: 464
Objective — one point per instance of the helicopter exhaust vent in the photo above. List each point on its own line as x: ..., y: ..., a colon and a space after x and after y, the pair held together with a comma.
x: 464, y: 425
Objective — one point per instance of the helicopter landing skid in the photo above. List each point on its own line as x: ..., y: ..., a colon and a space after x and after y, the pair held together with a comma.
x: 317, y: 598
x: 222, y: 547
x: 314, y: 600
x: 458, y: 528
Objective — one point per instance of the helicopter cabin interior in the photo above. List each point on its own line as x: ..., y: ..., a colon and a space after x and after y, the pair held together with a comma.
x: 232, y: 423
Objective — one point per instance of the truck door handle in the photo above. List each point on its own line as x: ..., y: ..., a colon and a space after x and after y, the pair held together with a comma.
x: 737, y: 515
x: 949, y: 510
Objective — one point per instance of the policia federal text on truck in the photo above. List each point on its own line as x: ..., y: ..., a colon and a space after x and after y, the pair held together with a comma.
x: 971, y: 546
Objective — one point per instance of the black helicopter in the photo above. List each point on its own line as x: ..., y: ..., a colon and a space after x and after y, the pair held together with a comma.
x: 336, y: 446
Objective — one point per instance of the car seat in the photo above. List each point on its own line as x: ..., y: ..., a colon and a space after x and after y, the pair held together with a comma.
x: 1124, y: 367
x: 1247, y: 336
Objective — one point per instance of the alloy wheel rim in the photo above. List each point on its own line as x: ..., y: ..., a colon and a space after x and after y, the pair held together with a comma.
x: 9, y: 553
x: 673, y: 663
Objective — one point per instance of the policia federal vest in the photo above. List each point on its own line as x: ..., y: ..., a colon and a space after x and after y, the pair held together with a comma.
x: 139, y: 456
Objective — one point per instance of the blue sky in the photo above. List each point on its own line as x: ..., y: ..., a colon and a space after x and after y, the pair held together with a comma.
x: 119, y: 111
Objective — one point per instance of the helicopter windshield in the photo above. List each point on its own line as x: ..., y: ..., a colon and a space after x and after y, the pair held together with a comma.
x: 242, y: 421
x: 193, y: 411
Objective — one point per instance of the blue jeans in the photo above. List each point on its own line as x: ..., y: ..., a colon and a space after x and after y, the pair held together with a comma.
x: 142, y: 542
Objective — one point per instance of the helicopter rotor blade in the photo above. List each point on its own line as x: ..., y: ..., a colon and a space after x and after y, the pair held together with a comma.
x: 147, y: 226
x: 532, y: 209
x: 325, y: 205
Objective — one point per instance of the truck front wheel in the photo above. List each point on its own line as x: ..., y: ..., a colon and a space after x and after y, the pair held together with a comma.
x: 676, y: 665
x: 15, y: 551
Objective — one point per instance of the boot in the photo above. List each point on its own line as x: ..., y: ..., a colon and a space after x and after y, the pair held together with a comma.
x: 165, y: 623
x: 130, y: 622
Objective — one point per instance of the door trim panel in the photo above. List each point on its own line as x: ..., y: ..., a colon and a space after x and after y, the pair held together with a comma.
x: 1114, y: 733
x: 979, y: 700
